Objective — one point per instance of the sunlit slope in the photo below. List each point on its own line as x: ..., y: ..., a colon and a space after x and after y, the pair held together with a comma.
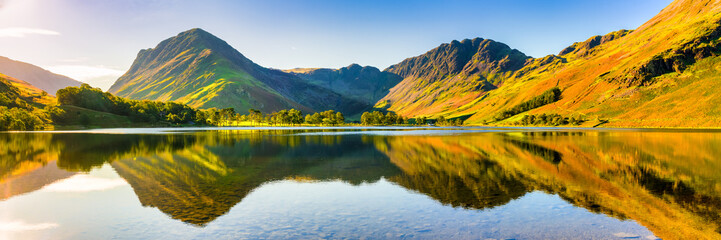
x: 450, y: 75
x: 659, y: 75
x: 13, y: 90
x: 203, y: 71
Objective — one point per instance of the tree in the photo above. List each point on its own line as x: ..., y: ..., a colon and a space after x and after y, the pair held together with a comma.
x: 459, y: 122
x: 421, y: 120
x: 366, y: 118
x: 339, y: 118
x: 390, y: 118
x: 441, y: 120
x: 295, y: 116
x: 400, y: 120
x: 254, y: 115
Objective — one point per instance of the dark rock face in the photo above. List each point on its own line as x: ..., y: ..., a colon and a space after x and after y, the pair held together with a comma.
x: 470, y: 56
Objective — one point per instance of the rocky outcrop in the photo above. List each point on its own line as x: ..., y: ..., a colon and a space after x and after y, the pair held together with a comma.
x: 675, y: 59
x: 585, y: 48
x: 470, y: 56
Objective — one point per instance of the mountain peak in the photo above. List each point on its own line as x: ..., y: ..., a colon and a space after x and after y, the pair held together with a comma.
x: 198, y: 33
x: 476, y: 55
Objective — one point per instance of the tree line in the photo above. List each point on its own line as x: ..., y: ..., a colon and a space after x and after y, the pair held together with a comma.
x: 391, y: 118
x: 553, y: 119
x: 550, y: 96
x: 18, y: 114
x: 286, y: 117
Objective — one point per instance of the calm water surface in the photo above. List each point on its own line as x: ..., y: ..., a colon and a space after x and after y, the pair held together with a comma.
x: 374, y: 183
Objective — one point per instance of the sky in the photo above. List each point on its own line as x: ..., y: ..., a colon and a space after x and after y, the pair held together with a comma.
x: 96, y: 41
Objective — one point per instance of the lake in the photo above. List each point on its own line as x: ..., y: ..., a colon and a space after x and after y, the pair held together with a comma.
x: 361, y: 183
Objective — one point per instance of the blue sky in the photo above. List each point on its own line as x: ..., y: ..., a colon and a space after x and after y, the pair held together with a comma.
x: 97, y: 40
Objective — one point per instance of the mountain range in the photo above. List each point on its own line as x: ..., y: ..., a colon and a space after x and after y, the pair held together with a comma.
x: 640, y: 77
x: 662, y: 74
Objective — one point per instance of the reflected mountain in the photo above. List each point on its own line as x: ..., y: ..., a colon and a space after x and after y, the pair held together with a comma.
x: 215, y: 171
x: 668, y: 182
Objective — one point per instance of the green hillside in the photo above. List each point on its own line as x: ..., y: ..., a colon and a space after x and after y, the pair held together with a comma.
x: 203, y: 71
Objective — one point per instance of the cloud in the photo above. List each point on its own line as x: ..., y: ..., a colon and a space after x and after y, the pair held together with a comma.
x: 97, y: 76
x: 20, y: 32
x: 19, y: 226
x: 84, y: 183
x: 74, y: 60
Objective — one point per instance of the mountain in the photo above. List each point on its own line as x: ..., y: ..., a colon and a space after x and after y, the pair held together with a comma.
x: 36, y: 76
x: 457, y: 72
x: 203, y: 71
x: 662, y: 74
x: 366, y: 84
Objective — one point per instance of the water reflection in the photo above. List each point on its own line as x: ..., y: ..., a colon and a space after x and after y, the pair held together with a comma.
x: 668, y: 182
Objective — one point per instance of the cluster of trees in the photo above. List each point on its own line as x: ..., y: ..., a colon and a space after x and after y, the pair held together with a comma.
x: 21, y: 119
x: 329, y: 117
x: 442, y: 121
x: 16, y: 113
x: 549, y: 120
x: 137, y: 110
x: 228, y: 117
x: 390, y: 118
x: 378, y: 118
x: 550, y: 96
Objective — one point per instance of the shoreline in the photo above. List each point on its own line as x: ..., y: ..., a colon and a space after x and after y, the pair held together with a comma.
x: 380, y: 127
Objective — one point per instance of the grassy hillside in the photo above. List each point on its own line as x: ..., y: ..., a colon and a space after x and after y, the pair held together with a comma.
x: 21, y: 105
x: 658, y: 75
x: 16, y: 90
x: 203, y: 71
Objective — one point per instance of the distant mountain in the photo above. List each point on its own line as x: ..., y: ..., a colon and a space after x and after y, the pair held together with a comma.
x: 366, y: 84
x: 662, y: 74
x: 203, y: 71
x: 36, y: 76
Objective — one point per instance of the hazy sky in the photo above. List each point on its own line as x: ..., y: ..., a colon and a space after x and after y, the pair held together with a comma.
x: 97, y: 40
